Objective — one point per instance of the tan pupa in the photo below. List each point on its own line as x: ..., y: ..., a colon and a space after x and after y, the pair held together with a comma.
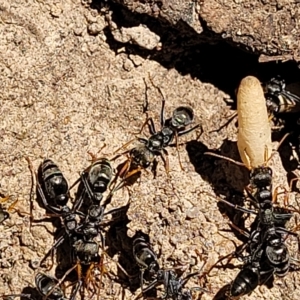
x: 254, y: 135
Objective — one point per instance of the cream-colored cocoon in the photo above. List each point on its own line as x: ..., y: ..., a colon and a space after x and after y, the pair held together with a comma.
x: 254, y: 133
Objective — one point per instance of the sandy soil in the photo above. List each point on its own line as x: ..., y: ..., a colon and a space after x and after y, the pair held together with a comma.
x: 65, y: 91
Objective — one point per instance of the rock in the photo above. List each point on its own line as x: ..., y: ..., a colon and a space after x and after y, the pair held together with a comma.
x: 140, y: 35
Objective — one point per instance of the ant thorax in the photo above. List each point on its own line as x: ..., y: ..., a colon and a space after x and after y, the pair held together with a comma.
x: 156, y: 142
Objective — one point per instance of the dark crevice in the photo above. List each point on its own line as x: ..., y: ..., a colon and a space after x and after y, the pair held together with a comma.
x: 206, y: 56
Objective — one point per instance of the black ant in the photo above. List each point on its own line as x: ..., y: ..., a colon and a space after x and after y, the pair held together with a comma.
x: 145, y: 154
x: 147, y: 261
x: 47, y: 286
x: 279, y: 98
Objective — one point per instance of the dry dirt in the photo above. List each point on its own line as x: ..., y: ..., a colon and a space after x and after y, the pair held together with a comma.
x: 66, y: 90
x: 268, y: 27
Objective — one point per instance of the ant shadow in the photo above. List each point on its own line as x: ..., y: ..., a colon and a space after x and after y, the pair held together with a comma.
x: 32, y: 292
x: 28, y: 293
x: 227, y: 179
x: 289, y: 151
x: 118, y: 242
x: 222, y: 174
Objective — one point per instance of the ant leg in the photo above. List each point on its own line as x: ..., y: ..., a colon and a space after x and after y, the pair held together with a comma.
x: 267, y: 159
x: 252, y: 199
x: 282, y: 140
x: 93, y: 156
x: 102, y: 268
x: 276, y: 193
x: 187, y: 277
x: 123, y: 182
x: 87, y: 187
x: 162, y: 111
x: 290, y: 188
x: 2, y: 200
x: 60, y: 282
x: 196, y: 288
x: 89, y: 279
x: 185, y: 132
x: 166, y: 161
x: 79, y: 282
x: 153, y: 284
x: 151, y: 126
x: 131, y: 173
x: 118, y: 264
x: 154, y: 168
x: 124, y: 146
x: 78, y: 180
x: 146, y: 102
x: 124, y: 170
x: 229, y: 256
x: 237, y: 207
x: 142, y: 281
x: 12, y: 208
x: 177, y: 150
x: 190, y: 130
x: 32, y: 190
x: 163, y: 102
x: 167, y: 168
x: 51, y: 251
x: 230, y: 119
x: 28, y: 296
x: 241, y: 231
x: 76, y: 289
x: 224, y: 157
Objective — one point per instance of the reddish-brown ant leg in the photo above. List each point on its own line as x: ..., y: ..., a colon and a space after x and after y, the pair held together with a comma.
x: 290, y: 188
x: 2, y: 200
x: 226, y: 158
x: 276, y: 193
x: 12, y: 208
x: 60, y: 281
x: 125, y: 146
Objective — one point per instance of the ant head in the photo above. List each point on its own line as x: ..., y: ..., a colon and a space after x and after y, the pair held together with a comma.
x: 62, y: 199
x: 274, y: 86
x: 261, y: 176
x: 182, y: 116
x: 153, y: 268
x: 100, y: 185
